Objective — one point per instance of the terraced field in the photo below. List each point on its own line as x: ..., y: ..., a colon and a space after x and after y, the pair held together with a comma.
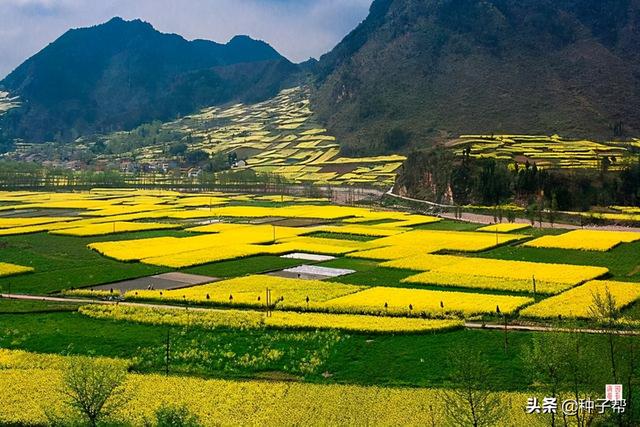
x: 277, y: 136
x: 548, y: 151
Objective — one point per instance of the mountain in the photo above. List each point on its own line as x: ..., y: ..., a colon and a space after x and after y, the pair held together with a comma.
x: 123, y: 73
x: 419, y: 71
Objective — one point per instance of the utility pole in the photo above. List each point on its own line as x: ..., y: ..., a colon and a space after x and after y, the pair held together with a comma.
x: 167, y: 352
x: 268, y: 301
x: 506, y: 336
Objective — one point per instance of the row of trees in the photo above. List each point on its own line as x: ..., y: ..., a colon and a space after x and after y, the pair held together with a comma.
x: 438, y: 175
x: 18, y: 175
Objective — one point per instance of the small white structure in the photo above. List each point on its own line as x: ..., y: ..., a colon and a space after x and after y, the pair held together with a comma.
x: 308, y: 257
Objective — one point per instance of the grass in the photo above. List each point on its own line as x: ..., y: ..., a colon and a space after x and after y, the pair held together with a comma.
x: 539, y: 232
x: 448, y: 225
x: 376, y: 222
x: 242, y: 267
x: 350, y: 264
x: 342, y: 236
x: 369, y: 274
x: 422, y: 360
x: 633, y: 311
x: 377, y: 276
x: 386, y: 360
x: 63, y: 262
x: 9, y: 306
x: 622, y: 261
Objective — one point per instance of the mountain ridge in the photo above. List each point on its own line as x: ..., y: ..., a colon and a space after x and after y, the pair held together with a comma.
x: 119, y: 74
x: 431, y: 70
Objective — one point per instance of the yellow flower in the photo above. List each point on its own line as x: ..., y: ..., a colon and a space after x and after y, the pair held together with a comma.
x: 408, y: 301
x: 485, y: 273
x: 252, y: 291
x: 588, y: 240
x: 11, y: 269
x: 577, y: 302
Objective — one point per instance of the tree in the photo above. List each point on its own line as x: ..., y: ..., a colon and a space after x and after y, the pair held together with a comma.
x: 197, y: 156
x: 396, y: 139
x: 178, y: 149
x: 604, y: 310
x: 218, y: 162
x: 530, y: 213
x: 94, y: 388
x: 546, y: 364
x: 553, y: 209
x: 470, y: 402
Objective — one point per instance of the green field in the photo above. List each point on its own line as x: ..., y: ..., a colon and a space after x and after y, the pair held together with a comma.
x: 63, y: 262
x: 622, y: 261
x: 413, y: 360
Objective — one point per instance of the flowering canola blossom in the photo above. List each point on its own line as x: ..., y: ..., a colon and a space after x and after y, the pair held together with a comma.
x: 7, y: 269
x: 418, y: 242
x: 358, y: 230
x: 242, y: 319
x: 30, y: 388
x: 577, y: 302
x: 223, y: 242
x: 407, y: 301
x: 485, y: 273
x: 588, y: 240
x: 504, y: 227
x: 251, y: 291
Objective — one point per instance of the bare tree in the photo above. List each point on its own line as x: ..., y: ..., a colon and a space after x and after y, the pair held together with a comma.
x: 470, y: 402
x: 547, y: 364
x: 604, y: 310
x: 94, y: 388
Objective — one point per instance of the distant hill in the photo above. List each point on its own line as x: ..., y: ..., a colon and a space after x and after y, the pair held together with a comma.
x: 122, y: 73
x: 418, y: 71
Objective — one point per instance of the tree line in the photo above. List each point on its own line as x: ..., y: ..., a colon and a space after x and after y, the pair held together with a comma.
x: 439, y: 175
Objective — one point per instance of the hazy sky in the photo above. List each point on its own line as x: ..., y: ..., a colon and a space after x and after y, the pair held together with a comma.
x: 298, y: 29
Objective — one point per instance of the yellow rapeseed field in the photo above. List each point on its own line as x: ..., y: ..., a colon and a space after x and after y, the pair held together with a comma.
x: 28, y: 392
x: 414, y: 301
x: 251, y: 291
x: 11, y: 269
x: 504, y: 227
x: 588, y: 240
x: 208, y: 319
x: 242, y: 319
x: 20, y: 359
x: 496, y: 274
x: 359, y: 323
x: 157, y: 250
x: 418, y: 242
x: 451, y: 240
x: 358, y: 230
x: 392, y: 252
x: 577, y: 302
